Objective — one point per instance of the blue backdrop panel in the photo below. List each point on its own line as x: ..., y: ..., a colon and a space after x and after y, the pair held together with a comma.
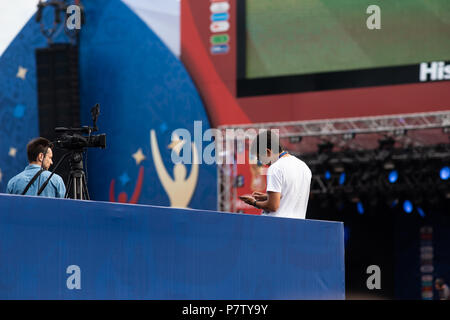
x: 141, y: 86
x: 144, y: 252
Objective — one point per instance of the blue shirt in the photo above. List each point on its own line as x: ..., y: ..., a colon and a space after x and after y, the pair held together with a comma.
x: 54, y: 189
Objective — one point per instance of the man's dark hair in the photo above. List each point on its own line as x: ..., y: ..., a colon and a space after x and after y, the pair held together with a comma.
x: 37, y: 146
x: 268, y: 140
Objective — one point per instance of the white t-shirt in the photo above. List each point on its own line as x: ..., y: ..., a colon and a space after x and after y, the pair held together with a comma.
x: 291, y: 177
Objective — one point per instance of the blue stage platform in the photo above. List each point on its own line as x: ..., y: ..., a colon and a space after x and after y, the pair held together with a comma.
x: 66, y: 249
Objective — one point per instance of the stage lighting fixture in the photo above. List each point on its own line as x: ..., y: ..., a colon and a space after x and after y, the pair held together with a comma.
x: 393, y: 203
x: 444, y: 173
x: 421, y: 212
x: 295, y: 139
x: 348, y: 136
x: 338, y: 167
x: 400, y: 132
x: 360, y: 207
x: 416, y: 174
x: 407, y: 206
x: 393, y: 176
x: 325, y: 147
x: 389, y: 165
x: 342, y: 178
x: 386, y: 143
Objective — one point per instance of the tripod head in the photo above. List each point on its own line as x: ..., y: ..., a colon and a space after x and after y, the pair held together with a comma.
x: 76, y: 160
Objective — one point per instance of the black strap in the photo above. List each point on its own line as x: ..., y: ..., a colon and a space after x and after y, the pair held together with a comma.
x: 32, y: 181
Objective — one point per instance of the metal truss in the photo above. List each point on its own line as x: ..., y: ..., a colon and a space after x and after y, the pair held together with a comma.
x: 364, y: 125
x: 358, y: 137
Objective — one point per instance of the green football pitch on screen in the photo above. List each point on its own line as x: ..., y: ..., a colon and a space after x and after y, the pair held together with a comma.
x: 295, y: 37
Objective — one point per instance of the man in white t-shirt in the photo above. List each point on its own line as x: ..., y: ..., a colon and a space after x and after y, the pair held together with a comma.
x: 288, y: 180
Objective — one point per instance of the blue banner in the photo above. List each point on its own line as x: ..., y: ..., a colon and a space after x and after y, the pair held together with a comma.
x: 69, y: 249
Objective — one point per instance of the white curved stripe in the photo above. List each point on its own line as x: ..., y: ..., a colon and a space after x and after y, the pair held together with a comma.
x: 163, y: 17
x: 13, y: 16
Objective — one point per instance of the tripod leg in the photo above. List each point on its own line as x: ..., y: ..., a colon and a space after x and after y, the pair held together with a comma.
x: 86, y: 191
x: 69, y: 186
x: 75, y: 187
x: 79, y: 184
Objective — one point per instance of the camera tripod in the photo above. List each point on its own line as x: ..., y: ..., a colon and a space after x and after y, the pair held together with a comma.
x: 77, y: 186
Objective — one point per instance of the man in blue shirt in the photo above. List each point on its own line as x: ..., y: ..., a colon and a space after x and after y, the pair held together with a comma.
x: 40, y: 154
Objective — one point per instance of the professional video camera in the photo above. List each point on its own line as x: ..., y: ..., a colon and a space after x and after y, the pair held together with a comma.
x: 73, y: 138
x: 76, y: 140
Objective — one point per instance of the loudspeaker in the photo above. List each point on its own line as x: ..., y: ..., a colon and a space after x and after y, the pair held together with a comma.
x: 58, y: 88
x: 58, y: 93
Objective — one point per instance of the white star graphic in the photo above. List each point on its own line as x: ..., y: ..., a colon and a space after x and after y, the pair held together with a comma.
x: 138, y: 156
x: 12, y: 152
x: 22, y: 73
x: 176, y: 143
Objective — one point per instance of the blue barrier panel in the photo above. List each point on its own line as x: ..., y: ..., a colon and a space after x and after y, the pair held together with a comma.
x: 122, y: 251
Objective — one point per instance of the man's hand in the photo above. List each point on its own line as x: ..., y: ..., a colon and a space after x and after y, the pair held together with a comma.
x: 248, y: 199
x: 259, y: 196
